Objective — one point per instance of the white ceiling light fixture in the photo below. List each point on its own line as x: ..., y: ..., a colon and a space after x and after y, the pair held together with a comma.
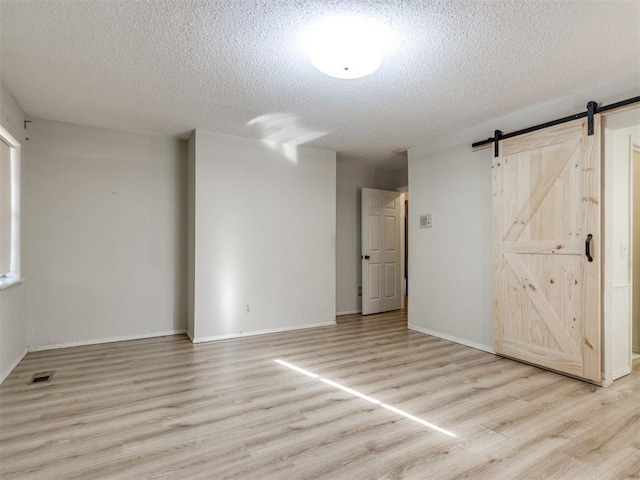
x: 347, y: 46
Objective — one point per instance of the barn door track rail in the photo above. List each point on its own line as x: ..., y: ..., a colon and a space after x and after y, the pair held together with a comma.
x: 592, y: 109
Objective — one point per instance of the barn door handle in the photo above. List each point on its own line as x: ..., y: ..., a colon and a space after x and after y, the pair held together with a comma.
x: 587, y: 248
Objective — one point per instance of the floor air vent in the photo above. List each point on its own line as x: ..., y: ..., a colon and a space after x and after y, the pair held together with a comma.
x: 42, y: 377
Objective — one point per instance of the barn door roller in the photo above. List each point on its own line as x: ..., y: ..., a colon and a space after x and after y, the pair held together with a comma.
x: 592, y: 110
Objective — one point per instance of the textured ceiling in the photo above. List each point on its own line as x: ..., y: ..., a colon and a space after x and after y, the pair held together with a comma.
x: 237, y: 67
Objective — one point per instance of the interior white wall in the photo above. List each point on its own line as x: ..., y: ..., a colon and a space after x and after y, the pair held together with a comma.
x: 13, y: 317
x: 265, y: 233
x: 450, y: 271
x: 351, y: 178
x: 620, y: 147
x: 106, y: 234
x: 391, y: 179
x: 617, y: 243
x: 450, y: 263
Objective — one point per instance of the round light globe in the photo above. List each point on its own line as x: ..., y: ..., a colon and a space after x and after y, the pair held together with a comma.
x: 346, y: 47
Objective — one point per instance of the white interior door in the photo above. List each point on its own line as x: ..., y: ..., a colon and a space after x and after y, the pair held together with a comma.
x: 381, y: 253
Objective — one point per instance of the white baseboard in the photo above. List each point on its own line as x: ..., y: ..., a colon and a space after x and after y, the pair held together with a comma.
x: 621, y: 373
x: 348, y: 312
x: 81, y: 343
x: 14, y: 364
x: 261, y: 332
x: 451, y: 338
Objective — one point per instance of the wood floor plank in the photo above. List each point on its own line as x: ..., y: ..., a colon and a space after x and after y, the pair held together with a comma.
x: 163, y: 408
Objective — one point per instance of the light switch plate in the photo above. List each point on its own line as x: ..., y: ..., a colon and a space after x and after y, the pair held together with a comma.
x: 426, y: 221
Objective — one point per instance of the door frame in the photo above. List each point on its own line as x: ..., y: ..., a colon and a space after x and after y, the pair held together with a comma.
x: 404, y: 243
x: 402, y: 196
x: 633, y: 254
x: 635, y: 282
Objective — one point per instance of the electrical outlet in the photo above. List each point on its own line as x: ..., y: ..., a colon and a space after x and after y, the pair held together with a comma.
x: 248, y: 308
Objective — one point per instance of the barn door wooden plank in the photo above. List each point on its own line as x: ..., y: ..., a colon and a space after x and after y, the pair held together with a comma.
x: 546, y: 200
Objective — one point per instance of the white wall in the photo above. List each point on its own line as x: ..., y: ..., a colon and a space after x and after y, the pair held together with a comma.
x: 617, y: 244
x: 106, y: 234
x: 392, y: 179
x: 265, y: 227
x: 351, y: 178
x: 450, y: 264
x: 13, y: 318
x: 618, y: 144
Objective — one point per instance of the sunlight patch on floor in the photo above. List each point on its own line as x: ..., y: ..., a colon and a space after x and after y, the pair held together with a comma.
x: 365, y: 397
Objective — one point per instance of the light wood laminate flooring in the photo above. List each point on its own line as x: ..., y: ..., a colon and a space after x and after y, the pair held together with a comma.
x: 163, y: 408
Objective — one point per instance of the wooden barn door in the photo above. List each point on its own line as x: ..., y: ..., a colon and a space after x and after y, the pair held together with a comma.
x: 546, y: 204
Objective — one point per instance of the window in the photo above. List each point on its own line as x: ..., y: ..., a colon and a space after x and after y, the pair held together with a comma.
x: 9, y: 209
